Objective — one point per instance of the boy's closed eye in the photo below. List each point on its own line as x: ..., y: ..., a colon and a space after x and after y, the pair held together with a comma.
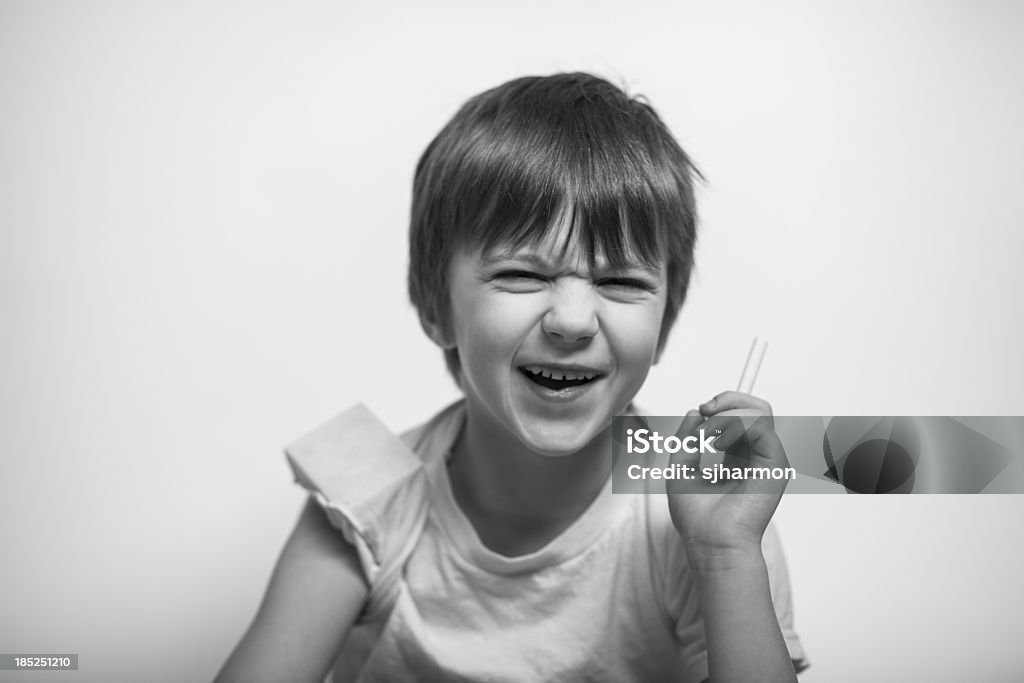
x: 532, y: 281
x: 628, y: 283
x: 513, y: 275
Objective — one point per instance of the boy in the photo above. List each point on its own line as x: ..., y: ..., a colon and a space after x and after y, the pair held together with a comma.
x: 552, y: 235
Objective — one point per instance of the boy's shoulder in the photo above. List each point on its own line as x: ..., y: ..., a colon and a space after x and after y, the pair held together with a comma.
x: 367, y: 479
x: 348, y: 455
x: 356, y: 445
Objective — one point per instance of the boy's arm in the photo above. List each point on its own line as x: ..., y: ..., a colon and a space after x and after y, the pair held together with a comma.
x: 315, y: 595
x: 744, y: 640
x: 722, y: 525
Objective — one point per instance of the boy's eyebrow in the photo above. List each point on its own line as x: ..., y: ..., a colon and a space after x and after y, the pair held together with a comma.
x: 536, y: 260
x: 495, y: 258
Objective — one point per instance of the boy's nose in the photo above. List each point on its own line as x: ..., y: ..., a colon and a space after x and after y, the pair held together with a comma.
x: 572, y: 316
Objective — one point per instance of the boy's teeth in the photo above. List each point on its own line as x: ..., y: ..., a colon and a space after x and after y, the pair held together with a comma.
x: 559, y: 374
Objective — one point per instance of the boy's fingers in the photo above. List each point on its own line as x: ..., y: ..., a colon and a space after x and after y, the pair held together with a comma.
x: 691, y: 421
x: 732, y: 400
x: 749, y: 429
x: 732, y: 431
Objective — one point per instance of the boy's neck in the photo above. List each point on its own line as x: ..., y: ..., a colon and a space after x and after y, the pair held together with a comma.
x: 518, y: 500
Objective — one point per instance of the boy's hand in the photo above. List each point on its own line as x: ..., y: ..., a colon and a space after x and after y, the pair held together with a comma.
x: 723, y: 520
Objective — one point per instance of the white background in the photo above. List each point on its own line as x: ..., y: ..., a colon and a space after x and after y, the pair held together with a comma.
x: 203, y: 215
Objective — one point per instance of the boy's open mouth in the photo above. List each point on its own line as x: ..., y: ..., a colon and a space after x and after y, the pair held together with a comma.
x: 555, y: 378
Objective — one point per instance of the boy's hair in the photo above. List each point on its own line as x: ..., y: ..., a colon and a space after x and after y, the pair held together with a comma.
x: 517, y: 159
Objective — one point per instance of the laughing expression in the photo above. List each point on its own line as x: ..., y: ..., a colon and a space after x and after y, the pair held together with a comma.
x: 550, y: 348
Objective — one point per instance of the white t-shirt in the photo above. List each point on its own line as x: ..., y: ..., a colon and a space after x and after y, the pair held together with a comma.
x: 610, y: 599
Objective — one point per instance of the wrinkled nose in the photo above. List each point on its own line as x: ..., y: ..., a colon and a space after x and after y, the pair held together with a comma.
x: 572, y: 315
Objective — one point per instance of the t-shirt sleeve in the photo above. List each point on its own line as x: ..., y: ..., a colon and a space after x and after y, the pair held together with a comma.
x: 371, y: 487
x: 683, y: 607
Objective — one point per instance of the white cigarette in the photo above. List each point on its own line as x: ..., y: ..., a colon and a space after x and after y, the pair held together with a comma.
x: 752, y: 365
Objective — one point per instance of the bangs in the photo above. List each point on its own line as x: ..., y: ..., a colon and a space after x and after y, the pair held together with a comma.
x: 595, y: 178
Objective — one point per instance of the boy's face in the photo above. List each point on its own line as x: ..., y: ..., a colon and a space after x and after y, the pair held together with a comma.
x: 550, y: 351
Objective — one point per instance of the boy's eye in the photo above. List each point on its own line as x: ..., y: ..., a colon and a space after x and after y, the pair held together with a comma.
x: 628, y: 283
x: 531, y: 279
x: 519, y: 276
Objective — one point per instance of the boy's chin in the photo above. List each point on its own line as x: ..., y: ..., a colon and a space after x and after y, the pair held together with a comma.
x: 559, y: 441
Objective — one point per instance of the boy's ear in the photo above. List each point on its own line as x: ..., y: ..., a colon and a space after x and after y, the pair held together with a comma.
x: 437, y: 332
